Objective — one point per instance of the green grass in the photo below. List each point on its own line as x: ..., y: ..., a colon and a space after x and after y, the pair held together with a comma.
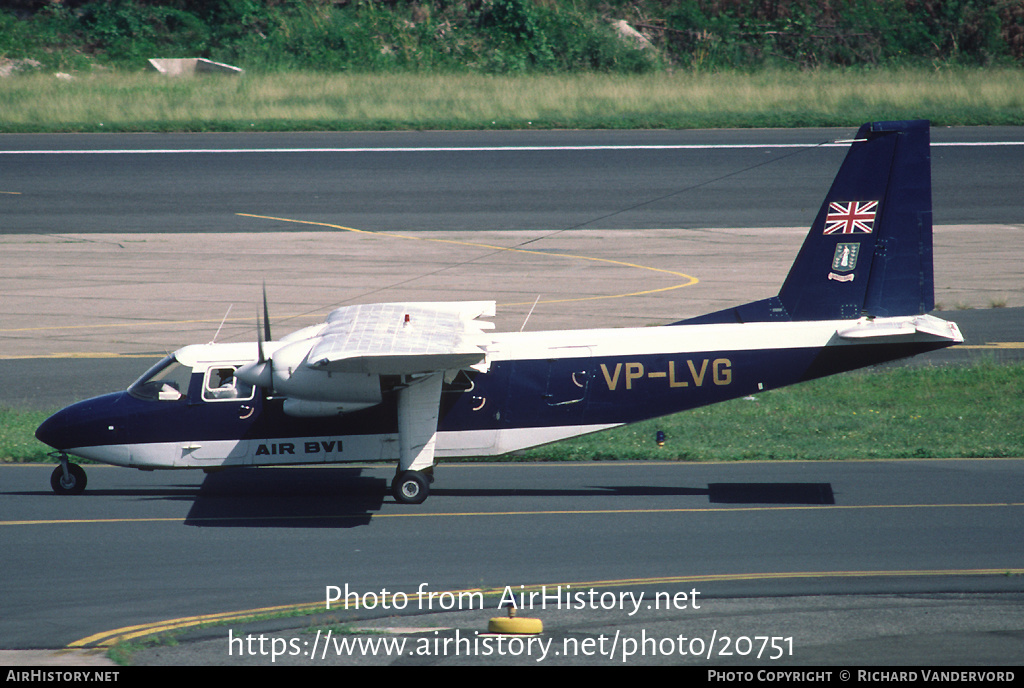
x: 18, y: 443
x: 947, y: 412
x: 943, y: 412
x: 691, y: 99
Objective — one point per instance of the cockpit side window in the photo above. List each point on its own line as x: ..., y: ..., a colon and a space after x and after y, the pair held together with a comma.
x: 221, y: 384
x: 166, y: 381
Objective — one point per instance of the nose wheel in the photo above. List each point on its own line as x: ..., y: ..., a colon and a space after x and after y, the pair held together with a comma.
x: 411, y: 487
x: 67, y: 478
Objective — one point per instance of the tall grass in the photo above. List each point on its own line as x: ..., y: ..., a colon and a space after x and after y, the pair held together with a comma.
x: 18, y: 443
x: 315, y: 101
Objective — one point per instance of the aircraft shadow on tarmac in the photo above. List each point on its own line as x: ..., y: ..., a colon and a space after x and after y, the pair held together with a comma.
x: 292, y: 498
x: 717, y: 493
x: 771, y: 493
x: 344, y: 498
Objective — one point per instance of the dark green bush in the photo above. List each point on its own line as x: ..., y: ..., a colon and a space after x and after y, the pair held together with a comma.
x: 742, y: 33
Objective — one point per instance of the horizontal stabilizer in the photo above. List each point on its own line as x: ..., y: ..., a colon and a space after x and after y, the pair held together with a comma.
x: 872, y: 328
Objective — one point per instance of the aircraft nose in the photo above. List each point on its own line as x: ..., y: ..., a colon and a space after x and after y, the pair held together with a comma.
x: 87, y: 423
x: 54, y: 430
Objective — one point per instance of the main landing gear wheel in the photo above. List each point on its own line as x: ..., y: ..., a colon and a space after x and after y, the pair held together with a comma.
x: 71, y: 484
x: 411, y: 487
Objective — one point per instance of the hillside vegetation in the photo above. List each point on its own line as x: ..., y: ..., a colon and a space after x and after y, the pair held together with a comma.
x: 472, y: 64
x: 513, y: 36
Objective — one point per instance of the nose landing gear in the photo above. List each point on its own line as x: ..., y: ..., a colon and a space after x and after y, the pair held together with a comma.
x: 67, y: 478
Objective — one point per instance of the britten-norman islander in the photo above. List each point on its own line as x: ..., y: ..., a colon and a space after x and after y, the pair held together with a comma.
x: 414, y: 382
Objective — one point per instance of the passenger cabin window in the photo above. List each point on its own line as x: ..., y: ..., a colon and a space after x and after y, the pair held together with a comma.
x: 222, y: 385
x: 166, y: 381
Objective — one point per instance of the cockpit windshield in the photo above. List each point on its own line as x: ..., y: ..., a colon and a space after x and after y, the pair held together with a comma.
x: 166, y: 381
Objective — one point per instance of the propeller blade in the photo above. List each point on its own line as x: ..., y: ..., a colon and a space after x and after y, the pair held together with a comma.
x: 259, y: 339
x: 266, y: 315
x: 261, y: 373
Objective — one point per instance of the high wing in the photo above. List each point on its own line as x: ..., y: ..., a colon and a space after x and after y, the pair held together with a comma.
x: 403, y: 338
x: 344, y: 364
x: 336, y: 366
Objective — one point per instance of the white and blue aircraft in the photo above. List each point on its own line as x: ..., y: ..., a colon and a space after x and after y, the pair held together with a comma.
x: 417, y: 382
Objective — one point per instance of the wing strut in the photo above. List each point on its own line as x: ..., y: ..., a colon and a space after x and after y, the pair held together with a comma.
x: 418, y: 409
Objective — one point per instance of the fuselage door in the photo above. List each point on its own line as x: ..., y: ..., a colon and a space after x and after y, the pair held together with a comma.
x: 222, y: 409
x: 551, y: 391
x: 568, y: 382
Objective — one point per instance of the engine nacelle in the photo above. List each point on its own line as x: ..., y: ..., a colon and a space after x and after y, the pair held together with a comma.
x: 287, y: 373
x: 300, y: 408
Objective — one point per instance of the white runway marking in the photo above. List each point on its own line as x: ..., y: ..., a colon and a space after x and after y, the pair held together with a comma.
x: 469, y: 149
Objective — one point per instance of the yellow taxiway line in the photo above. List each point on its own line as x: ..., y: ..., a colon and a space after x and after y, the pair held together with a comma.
x: 690, y: 280
x: 478, y: 514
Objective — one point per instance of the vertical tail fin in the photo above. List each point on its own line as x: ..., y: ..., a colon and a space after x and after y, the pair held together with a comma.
x: 869, y: 251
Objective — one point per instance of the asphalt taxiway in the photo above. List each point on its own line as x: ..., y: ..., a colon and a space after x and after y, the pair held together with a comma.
x: 873, y: 562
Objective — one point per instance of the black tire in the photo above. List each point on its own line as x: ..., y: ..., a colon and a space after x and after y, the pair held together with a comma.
x: 411, y: 487
x: 75, y: 484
